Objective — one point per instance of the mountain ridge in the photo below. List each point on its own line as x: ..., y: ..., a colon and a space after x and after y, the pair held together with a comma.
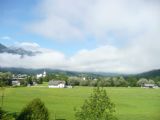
x: 152, y: 73
x: 16, y: 50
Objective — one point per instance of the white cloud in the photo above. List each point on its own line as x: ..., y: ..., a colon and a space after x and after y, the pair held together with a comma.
x: 27, y: 46
x: 46, y: 59
x: 141, y: 55
x: 136, y: 23
x: 137, y: 57
x: 56, y: 28
x: 74, y: 20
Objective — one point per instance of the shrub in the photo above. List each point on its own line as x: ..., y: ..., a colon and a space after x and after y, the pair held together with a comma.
x: 93, y: 83
x: 84, y: 83
x: 5, y: 116
x: 97, y: 107
x: 2, y: 112
x: 35, y: 110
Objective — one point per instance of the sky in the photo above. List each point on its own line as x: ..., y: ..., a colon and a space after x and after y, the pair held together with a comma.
x: 82, y: 35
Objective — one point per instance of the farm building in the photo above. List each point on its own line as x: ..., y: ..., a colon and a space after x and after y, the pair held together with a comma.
x: 16, y: 83
x: 56, y: 84
x: 149, y: 86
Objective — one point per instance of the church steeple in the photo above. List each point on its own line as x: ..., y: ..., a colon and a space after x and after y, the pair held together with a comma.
x: 44, y: 73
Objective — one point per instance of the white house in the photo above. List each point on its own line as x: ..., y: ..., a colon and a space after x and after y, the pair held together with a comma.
x: 16, y: 83
x: 56, y: 84
x: 149, y: 86
x: 83, y: 78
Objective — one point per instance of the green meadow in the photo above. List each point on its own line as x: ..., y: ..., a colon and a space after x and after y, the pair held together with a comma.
x: 131, y: 103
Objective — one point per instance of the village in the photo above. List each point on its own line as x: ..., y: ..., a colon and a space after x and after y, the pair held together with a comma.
x: 61, y: 81
x: 17, y: 79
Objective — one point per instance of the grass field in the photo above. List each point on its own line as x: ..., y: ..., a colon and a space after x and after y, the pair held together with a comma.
x: 131, y: 103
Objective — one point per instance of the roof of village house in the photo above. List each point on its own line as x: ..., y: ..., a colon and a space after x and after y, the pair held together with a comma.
x: 15, y: 82
x: 56, y: 82
x: 147, y: 85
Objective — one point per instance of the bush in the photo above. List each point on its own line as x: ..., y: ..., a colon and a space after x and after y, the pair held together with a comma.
x: 35, y: 110
x: 97, y: 107
x: 84, y: 83
x: 2, y: 112
x: 5, y: 116
x: 158, y: 83
x: 93, y: 83
x: 74, y: 81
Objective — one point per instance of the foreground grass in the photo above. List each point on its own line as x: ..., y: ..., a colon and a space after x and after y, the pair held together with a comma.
x: 131, y: 103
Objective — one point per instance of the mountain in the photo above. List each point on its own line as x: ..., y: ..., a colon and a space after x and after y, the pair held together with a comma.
x: 16, y: 50
x: 38, y: 71
x: 148, y: 74
x: 2, y: 48
x: 152, y: 73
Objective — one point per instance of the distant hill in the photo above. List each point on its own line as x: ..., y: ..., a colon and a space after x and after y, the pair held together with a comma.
x: 2, y: 48
x: 152, y: 73
x: 26, y: 71
x: 30, y: 71
x: 69, y: 73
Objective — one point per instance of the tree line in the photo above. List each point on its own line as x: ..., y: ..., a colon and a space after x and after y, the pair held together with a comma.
x: 114, y: 81
x: 118, y: 81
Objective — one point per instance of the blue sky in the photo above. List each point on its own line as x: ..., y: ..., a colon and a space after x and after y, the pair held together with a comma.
x: 86, y: 35
x: 20, y: 12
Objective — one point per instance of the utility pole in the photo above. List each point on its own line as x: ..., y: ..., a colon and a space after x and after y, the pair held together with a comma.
x: 2, y: 96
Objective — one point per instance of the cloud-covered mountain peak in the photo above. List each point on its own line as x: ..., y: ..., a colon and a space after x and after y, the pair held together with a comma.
x: 17, y: 50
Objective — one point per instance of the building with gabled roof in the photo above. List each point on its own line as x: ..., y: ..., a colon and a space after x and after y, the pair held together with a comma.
x: 56, y: 84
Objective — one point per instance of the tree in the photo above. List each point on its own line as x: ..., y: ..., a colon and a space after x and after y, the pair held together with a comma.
x: 116, y: 81
x: 123, y: 82
x: 157, y: 79
x: 84, y: 83
x: 40, y: 80
x: 132, y: 81
x: 74, y: 81
x: 29, y: 80
x: 5, y: 79
x: 93, y: 83
x: 108, y: 81
x: 151, y: 82
x: 23, y: 82
x: 142, y: 81
x: 35, y: 110
x: 104, y: 82
x: 97, y: 107
x: 158, y: 83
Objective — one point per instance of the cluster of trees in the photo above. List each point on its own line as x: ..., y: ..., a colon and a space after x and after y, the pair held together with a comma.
x: 113, y: 81
x: 31, y: 80
x: 143, y: 81
x: 5, y: 79
x: 101, y: 82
